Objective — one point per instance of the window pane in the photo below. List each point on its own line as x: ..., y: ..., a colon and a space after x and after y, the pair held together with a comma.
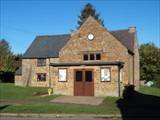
x: 62, y: 75
x: 41, y: 76
x: 91, y: 56
x: 88, y: 76
x: 38, y: 76
x: 105, y: 74
x: 85, y: 57
x: 98, y: 56
x: 41, y: 62
x: 79, y: 75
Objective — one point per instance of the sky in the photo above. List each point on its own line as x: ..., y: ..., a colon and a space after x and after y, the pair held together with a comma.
x: 22, y: 20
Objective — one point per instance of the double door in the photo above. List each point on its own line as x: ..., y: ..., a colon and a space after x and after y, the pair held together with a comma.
x: 83, y: 82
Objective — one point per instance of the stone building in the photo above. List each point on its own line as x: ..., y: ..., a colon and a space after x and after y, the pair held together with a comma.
x: 92, y: 61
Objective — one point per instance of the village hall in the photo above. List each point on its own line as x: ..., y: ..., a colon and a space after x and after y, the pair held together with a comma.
x: 91, y: 61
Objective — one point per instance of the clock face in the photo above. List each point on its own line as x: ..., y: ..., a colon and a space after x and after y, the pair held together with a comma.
x: 90, y: 36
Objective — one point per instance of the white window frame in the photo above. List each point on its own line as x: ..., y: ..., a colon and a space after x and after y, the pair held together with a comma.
x: 104, y: 77
x: 62, y: 74
x: 121, y: 75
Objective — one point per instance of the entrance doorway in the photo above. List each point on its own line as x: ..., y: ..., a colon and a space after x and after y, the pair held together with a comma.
x: 83, y: 82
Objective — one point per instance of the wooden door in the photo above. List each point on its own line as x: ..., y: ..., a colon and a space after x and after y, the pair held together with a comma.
x: 78, y: 83
x: 88, y: 83
x: 83, y: 83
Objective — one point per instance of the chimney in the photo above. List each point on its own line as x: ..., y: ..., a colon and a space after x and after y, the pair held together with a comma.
x: 132, y: 29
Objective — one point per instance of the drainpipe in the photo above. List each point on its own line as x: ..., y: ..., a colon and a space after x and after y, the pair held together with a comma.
x: 49, y: 74
x: 119, y: 91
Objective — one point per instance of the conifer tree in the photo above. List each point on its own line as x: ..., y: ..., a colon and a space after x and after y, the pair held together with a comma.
x: 86, y: 12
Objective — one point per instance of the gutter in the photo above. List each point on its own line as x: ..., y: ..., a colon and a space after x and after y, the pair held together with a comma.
x: 98, y: 63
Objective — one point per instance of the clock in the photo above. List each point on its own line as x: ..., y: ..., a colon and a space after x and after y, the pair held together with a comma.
x: 90, y: 36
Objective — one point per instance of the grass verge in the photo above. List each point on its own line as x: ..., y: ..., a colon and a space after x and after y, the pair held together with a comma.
x: 27, y: 103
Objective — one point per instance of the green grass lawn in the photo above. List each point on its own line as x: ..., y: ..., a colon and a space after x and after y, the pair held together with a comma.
x: 10, y: 92
x: 149, y: 90
x: 108, y: 107
x: 27, y: 103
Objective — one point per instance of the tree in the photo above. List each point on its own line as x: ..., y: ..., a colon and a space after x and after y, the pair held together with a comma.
x: 150, y: 62
x: 8, y: 62
x: 4, y: 48
x: 6, y: 59
x: 8, y: 65
x: 86, y: 12
x: 17, y: 61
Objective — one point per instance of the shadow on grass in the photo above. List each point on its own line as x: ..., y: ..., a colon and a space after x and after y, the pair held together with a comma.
x: 138, y: 106
x: 3, y: 107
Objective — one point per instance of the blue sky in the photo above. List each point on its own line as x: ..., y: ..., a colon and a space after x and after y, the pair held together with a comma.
x: 21, y: 21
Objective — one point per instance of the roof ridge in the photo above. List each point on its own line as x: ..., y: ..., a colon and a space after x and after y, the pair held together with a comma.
x: 119, y: 30
x: 56, y: 35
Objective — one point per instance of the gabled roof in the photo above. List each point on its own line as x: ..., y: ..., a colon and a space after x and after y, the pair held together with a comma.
x: 126, y: 38
x: 46, y: 46
x: 49, y: 46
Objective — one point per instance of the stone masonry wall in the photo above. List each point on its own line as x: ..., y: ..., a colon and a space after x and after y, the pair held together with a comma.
x: 136, y: 65
x: 110, y: 48
x: 18, y: 80
x: 105, y: 43
x: 30, y: 70
x: 101, y: 88
x: 130, y: 69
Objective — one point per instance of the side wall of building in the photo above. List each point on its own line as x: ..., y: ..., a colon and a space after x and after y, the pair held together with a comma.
x: 30, y: 70
x: 130, y: 70
x: 136, y: 65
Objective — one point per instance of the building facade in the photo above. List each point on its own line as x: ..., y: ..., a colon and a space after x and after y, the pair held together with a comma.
x: 89, y: 62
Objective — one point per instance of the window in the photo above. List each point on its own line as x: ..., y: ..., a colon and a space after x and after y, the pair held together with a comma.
x: 41, y: 62
x: 98, y: 56
x: 92, y: 56
x: 105, y: 74
x: 88, y: 76
x: 41, y: 76
x: 85, y: 57
x: 62, y: 74
x: 79, y: 75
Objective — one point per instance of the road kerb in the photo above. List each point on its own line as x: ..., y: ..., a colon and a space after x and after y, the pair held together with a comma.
x: 58, y: 115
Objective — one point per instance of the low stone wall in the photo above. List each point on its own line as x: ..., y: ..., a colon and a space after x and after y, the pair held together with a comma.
x: 18, y: 80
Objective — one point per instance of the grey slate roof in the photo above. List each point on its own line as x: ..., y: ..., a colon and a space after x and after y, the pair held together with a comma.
x: 49, y: 46
x: 46, y: 46
x: 126, y: 38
